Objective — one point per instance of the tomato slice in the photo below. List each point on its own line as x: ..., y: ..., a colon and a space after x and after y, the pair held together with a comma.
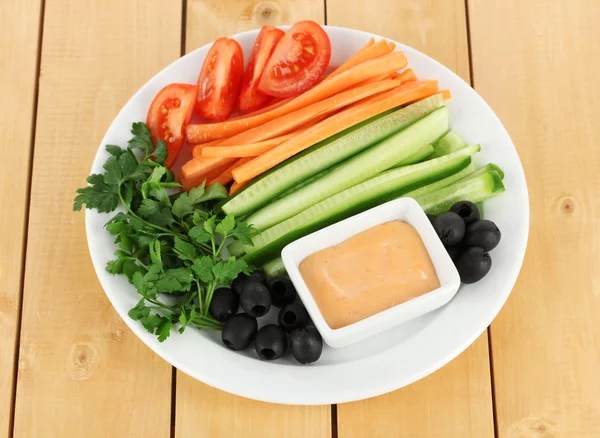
x: 220, y: 80
x: 299, y: 59
x: 250, y: 98
x: 169, y: 114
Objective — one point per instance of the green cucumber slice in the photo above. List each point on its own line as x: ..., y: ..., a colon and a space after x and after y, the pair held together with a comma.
x: 274, y: 268
x: 385, y: 187
x: 355, y: 170
x: 423, y: 153
x: 451, y: 142
x: 474, y: 189
x: 326, y: 154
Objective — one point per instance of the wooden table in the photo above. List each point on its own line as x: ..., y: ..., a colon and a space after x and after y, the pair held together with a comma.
x: 69, y: 367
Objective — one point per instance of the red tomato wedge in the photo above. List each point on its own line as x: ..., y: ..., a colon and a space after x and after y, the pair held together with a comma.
x: 298, y: 61
x: 220, y: 80
x: 169, y: 114
x: 250, y: 98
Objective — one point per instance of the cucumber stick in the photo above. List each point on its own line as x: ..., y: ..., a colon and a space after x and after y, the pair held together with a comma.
x: 326, y: 154
x: 355, y: 170
x: 474, y: 189
x: 274, y: 268
x: 451, y: 142
x: 387, y: 186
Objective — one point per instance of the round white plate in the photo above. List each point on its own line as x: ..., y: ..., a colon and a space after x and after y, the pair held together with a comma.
x: 382, y: 363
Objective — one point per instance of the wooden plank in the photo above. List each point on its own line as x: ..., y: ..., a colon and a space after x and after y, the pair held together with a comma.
x: 538, y: 71
x: 19, y: 37
x: 456, y: 401
x: 81, y: 371
x: 202, y: 410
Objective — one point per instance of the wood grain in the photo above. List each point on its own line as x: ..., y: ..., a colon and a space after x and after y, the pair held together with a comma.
x: 82, y: 373
x: 19, y: 37
x: 539, y: 70
x: 456, y: 401
x: 210, y: 19
x: 201, y: 410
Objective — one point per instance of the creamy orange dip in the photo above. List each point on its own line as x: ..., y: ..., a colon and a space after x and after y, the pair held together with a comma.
x: 372, y: 271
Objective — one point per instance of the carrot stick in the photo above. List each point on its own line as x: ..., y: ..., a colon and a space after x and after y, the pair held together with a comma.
x: 380, y: 48
x: 236, y: 187
x: 392, y: 46
x: 359, y: 112
x: 446, y: 94
x: 294, y: 120
x: 263, y: 110
x: 198, y: 169
x: 366, y: 46
x: 331, y: 86
x: 407, y: 75
x: 226, y: 177
x: 189, y: 183
x: 247, y: 150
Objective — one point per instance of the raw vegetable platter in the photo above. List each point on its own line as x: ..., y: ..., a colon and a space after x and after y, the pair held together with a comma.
x: 379, y: 364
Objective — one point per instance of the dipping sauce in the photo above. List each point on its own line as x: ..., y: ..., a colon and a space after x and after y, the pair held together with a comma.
x: 370, y: 272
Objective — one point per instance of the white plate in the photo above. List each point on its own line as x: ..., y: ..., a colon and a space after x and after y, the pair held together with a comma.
x: 380, y: 364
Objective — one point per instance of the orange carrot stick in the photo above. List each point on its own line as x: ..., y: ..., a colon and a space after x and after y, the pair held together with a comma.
x: 359, y: 112
x: 226, y: 177
x: 407, y: 75
x: 236, y: 187
x: 343, y: 81
x: 308, y: 114
x: 446, y: 94
x: 198, y: 169
x: 247, y: 150
x: 189, y: 183
x: 263, y: 110
x: 380, y: 48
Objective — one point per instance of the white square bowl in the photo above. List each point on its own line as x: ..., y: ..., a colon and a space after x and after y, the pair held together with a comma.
x: 404, y: 209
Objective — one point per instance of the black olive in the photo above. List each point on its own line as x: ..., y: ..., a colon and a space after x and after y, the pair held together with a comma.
x: 454, y: 251
x: 255, y: 298
x: 238, y: 283
x: 225, y: 303
x: 473, y: 264
x: 431, y: 218
x: 467, y: 210
x: 293, y: 316
x: 450, y: 228
x: 484, y: 234
x: 239, y: 331
x: 306, y: 345
x: 270, y: 342
x: 282, y: 291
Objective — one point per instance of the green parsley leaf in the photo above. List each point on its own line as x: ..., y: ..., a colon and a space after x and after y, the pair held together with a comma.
x: 199, y: 234
x: 157, y: 174
x: 113, y: 173
x: 195, y: 194
x: 243, y: 233
x: 125, y: 242
x: 185, y: 250
x: 199, y: 217
x: 115, y: 227
x: 174, y: 280
x: 130, y: 168
x: 154, y: 212
x: 160, y: 152
x: 164, y: 330
x: 114, y: 150
x: 99, y: 195
x: 152, y: 322
x: 215, y: 191
x: 202, y: 267
x: 115, y: 267
x: 155, y: 253
x: 225, y: 272
x: 139, y: 311
x: 226, y: 225
x: 209, y: 225
x: 182, y: 206
x: 161, y: 194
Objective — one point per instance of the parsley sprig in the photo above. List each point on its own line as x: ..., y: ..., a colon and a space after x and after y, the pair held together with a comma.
x: 169, y: 242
